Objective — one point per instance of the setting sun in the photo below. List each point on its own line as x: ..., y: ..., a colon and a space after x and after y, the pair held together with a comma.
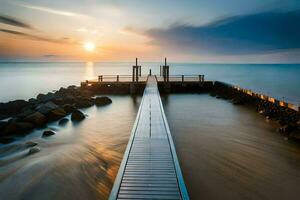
x: 89, y: 46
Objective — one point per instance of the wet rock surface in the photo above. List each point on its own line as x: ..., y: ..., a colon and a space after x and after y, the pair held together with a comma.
x: 101, y: 101
x: 48, y: 133
x: 37, y: 112
x: 77, y: 115
x: 288, y: 118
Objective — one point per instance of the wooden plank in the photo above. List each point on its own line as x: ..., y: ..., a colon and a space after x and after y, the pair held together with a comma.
x: 150, y: 168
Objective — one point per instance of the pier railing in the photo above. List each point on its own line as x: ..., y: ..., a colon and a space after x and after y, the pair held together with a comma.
x: 181, y: 78
x: 116, y: 78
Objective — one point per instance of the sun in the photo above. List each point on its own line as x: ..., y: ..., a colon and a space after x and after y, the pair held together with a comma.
x: 89, y: 46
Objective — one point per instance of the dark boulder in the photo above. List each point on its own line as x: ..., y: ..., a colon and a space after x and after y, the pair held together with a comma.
x: 6, y: 140
x: 63, y: 121
x: 33, y: 101
x: 33, y: 150
x: 77, y: 115
x: 31, y: 144
x: 3, y: 124
x: 101, y: 101
x: 69, y: 108
x: 45, y: 108
x: 25, y: 112
x: 18, y: 128
x: 56, y: 114
x: 36, y: 118
x: 47, y: 133
x: 45, y: 97
x: 84, y: 102
x: 13, y: 107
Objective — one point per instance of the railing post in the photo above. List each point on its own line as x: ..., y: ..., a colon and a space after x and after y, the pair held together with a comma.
x: 182, y: 78
x: 140, y: 70
x: 133, y: 74
x: 117, y: 78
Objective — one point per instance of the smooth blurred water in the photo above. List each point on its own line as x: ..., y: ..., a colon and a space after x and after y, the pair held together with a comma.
x: 225, y: 151
x: 79, y: 162
x: 26, y: 80
x: 231, y: 152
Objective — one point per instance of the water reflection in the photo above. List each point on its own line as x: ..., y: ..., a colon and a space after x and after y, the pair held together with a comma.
x: 79, y: 162
x: 89, y: 71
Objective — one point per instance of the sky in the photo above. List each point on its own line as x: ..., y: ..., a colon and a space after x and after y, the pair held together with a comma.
x: 213, y: 31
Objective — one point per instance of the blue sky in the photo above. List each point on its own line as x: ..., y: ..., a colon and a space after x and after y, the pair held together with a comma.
x: 198, y: 31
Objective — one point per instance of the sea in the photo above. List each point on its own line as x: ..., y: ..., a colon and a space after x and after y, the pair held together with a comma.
x: 225, y: 151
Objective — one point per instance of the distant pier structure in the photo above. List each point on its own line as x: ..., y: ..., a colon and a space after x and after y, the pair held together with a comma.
x: 164, y: 71
x: 136, y: 71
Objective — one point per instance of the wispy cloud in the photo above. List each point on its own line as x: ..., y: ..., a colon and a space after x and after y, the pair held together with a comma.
x: 51, y: 10
x: 38, y: 38
x: 86, y: 30
x: 14, y: 22
x: 247, y: 34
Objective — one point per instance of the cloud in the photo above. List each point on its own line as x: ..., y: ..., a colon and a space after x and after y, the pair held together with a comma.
x: 14, y: 22
x: 85, y: 30
x: 247, y: 34
x: 51, y: 10
x: 38, y: 38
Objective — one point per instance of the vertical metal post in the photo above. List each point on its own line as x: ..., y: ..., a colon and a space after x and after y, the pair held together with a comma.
x: 168, y: 73
x: 136, y: 73
x: 133, y: 73
x: 117, y: 78
x: 140, y: 70
x: 182, y: 78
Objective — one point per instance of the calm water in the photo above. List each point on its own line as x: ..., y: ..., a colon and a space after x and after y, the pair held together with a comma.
x: 79, y: 162
x: 25, y: 80
x: 231, y: 152
x: 225, y: 151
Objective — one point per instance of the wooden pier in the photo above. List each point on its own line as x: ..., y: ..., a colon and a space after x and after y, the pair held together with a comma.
x: 150, y: 168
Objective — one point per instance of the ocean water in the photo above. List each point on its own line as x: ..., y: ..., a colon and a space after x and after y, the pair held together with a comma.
x: 26, y: 80
x: 225, y: 151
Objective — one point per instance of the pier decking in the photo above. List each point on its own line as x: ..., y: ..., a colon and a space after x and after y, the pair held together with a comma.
x: 150, y: 168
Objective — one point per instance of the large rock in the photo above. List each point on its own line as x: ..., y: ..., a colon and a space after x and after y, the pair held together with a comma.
x: 84, y: 102
x: 33, y: 150
x: 18, y: 128
x: 6, y: 140
x: 12, y: 107
x: 69, y: 108
x: 47, y: 133
x: 30, y: 144
x: 101, y: 101
x: 45, y: 97
x: 45, y: 108
x: 37, y: 118
x: 56, y: 114
x: 77, y: 115
x: 3, y: 124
